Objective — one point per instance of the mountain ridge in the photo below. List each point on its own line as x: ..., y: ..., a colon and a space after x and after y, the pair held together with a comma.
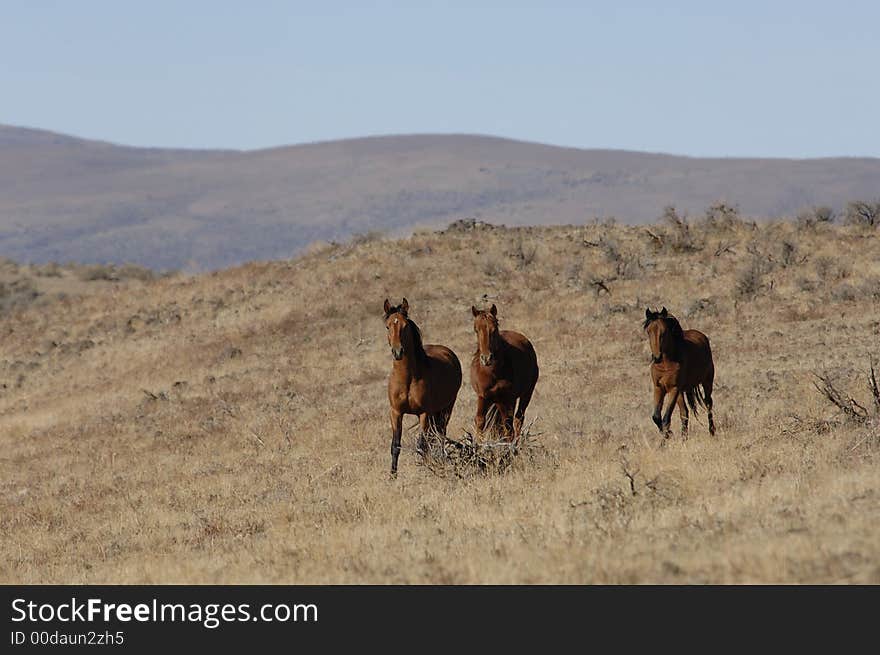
x: 63, y: 198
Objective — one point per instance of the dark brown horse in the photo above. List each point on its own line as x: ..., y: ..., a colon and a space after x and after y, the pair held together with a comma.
x: 424, y: 379
x: 681, y: 363
x: 503, y: 370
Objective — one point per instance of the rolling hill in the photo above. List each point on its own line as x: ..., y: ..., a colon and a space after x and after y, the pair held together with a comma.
x: 232, y: 427
x: 69, y: 199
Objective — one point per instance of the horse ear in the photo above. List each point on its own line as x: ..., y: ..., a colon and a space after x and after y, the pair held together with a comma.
x: 664, y: 313
x: 387, y: 307
x: 475, y: 311
x: 648, y: 313
x: 493, y: 310
x: 404, y: 307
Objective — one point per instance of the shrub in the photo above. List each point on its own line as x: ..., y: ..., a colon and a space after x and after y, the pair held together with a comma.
x: 721, y: 215
x: 815, y: 216
x: 524, y: 254
x: 845, y: 292
x: 750, y: 280
x: 366, y: 237
x: 866, y: 214
x: 98, y: 272
x: 135, y: 272
x: 831, y: 269
x: 679, y: 237
x: 52, y: 269
x: 789, y: 256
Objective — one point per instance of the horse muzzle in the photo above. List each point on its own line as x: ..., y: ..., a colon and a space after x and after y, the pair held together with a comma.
x: 397, y: 353
x: 485, y: 360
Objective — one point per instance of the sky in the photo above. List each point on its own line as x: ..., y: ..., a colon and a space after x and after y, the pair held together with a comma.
x: 736, y: 78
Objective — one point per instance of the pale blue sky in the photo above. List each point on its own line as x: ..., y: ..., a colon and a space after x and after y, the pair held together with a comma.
x: 792, y: 79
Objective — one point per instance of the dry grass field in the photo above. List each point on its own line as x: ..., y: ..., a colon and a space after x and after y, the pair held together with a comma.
x: 232, y: 427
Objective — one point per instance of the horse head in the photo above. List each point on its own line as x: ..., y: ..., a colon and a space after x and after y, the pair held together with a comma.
x: 404, y: 335
x: 664, y: 333
x: 488, y: 337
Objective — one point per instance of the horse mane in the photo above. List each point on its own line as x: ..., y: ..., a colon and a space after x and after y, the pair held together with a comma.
x: 674, y: 327
x: 418, y: 346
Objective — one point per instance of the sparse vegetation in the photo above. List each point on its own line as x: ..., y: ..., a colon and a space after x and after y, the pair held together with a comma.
x: 722, y: 216
x: 676, y: 235
x: 115, y: 273
x: 865, y: 214
x: 371, y: 236
x: 232, y: 427
x: 750, y: 279
x: 815, y: 216
x: 523, y: 253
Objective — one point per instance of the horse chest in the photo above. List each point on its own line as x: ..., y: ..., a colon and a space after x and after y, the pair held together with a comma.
x: 407, y: 395
x: 490, y: 386
x: 666, y: 374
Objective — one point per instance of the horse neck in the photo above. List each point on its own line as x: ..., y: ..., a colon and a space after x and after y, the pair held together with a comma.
x: 676, y: 350
x: 415, y: 359
x: 500, y: 351
x: 409, y: 366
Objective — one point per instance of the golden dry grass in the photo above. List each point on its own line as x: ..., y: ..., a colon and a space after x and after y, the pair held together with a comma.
x: 232, y: 427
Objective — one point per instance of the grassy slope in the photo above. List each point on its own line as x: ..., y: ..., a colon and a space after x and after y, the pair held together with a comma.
x: 231, y: 427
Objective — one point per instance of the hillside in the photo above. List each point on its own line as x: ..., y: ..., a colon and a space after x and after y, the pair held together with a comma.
x: 232, y: 426
x: 67, y: 199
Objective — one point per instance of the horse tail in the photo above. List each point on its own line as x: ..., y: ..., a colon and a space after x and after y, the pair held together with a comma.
x: 695, y: 399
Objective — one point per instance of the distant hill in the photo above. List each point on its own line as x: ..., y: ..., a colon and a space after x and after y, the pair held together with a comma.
x: 69, y: 199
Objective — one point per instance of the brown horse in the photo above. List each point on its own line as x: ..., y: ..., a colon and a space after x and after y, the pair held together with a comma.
x: 681, y: 362
x: 503, y: 370
x: 424, y: 379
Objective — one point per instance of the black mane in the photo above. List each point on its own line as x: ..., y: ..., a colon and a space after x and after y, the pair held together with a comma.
x: 419, y: 348
x: 674, y: 326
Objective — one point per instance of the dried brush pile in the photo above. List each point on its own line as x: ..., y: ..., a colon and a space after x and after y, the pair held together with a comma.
x: 465, y: 456
x: 851, y: 408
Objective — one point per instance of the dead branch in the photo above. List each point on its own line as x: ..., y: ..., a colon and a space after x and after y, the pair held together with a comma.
x: 600, y: 286
x: 875, y: 390
x: 629, y: 473
x: 724, y: 248
x: 850, y: 407
x: 656, y: 238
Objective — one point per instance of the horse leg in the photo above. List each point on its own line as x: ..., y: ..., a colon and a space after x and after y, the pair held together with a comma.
x: 443, y: 419
x: 667, y: 415
x: 424, y: 428
x: 659, y: 395
x: 396, y: 431
x: 480, y: 418
x: 683, y: 414
x: 506, y: 419
x: 707, y: 397
x: 520, y: 415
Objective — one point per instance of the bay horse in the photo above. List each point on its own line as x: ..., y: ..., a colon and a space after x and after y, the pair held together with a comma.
x: 504, y: 369
x: 681, y: 363
x: 424, y: 379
